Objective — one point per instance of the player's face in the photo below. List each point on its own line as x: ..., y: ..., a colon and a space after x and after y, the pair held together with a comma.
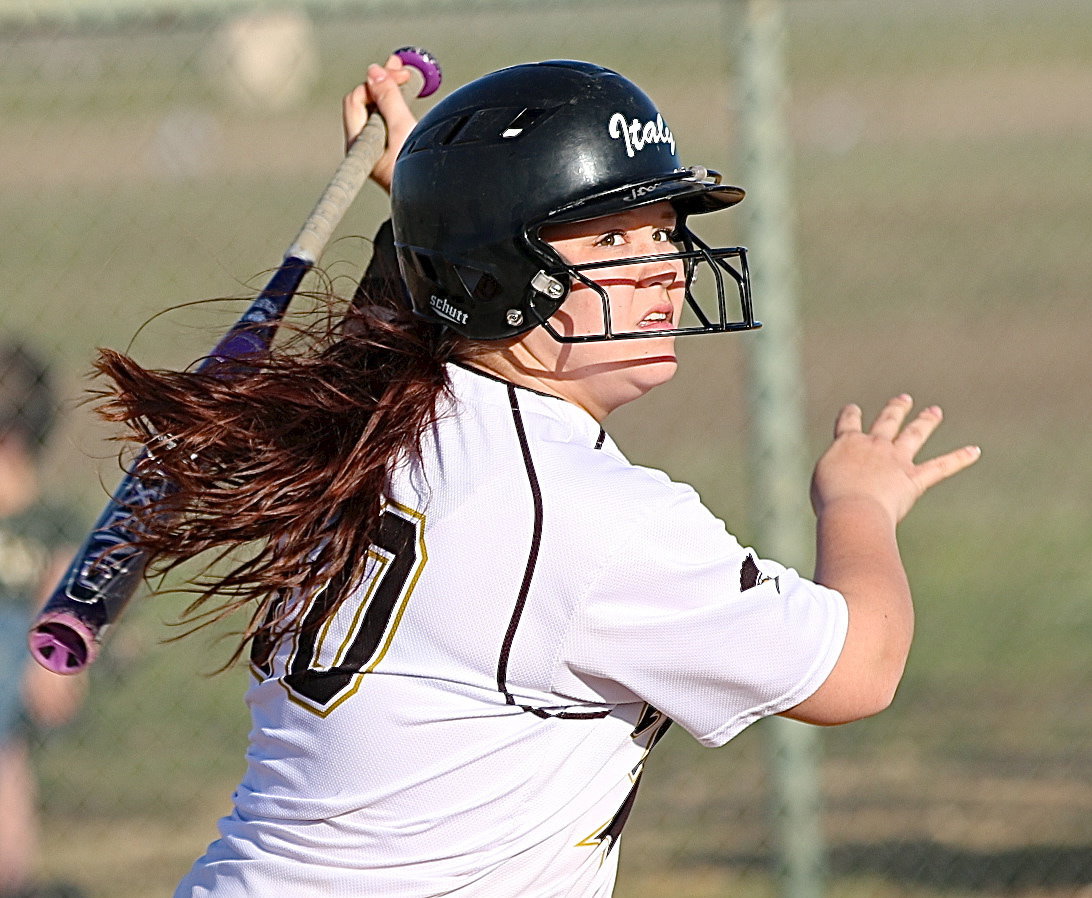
x: 643, y: 297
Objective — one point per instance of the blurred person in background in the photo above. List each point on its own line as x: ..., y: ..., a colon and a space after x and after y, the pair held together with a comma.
x: 33, y: 554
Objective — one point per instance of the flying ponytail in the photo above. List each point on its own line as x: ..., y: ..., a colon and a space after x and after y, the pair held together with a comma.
x: 278, y: 474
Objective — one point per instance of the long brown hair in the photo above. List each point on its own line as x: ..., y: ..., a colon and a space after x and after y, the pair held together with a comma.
x: 278, y: 472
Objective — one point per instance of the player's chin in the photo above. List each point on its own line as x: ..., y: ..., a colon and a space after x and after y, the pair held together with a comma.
x: 657, y: 362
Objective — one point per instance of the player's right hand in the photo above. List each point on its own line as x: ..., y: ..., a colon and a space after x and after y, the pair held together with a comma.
x: 380, y: 91
x: 878, y: 465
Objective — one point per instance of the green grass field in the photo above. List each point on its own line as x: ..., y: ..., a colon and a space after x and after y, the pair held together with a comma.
x: 944, y: 206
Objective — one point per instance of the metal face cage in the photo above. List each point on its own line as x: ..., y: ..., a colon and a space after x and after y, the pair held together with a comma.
x: 718, y: 305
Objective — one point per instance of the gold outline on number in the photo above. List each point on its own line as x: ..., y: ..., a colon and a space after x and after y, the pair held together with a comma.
x: 418, y: 520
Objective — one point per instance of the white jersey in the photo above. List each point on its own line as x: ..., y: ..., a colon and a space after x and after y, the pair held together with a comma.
x: 474, y: 721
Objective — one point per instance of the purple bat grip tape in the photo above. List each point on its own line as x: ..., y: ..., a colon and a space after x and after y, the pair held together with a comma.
x: 63, y: 643
x: 425, y: 63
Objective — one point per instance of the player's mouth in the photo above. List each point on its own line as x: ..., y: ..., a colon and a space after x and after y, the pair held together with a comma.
x: 659, y: 318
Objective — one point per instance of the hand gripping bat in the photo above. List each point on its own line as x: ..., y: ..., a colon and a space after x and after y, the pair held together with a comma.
x: 107, y: 569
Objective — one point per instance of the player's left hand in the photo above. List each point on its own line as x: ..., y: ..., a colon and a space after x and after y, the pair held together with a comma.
x: 380, y: 91
x: 878, y: 464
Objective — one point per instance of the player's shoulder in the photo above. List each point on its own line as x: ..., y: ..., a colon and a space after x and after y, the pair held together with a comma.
x: 605, y: 470
x: 613, y: 492
x: 564, y: 448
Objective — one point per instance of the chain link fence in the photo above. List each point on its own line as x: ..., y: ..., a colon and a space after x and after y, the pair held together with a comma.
x: 156, y: 154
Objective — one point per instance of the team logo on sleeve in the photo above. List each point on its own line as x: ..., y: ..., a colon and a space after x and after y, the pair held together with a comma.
x: 750, y: 576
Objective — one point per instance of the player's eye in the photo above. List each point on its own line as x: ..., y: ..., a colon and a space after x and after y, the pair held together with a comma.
x: 611, y: 238
x: 665, y: 235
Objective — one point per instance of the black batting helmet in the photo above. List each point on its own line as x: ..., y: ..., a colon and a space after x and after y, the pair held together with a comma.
x: 532, y: 145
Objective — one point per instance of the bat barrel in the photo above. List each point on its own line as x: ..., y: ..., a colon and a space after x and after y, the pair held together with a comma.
x: 98, y: 584
x: 108, y: 568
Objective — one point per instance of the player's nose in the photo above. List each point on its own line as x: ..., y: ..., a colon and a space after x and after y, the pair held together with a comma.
x: 660, y: 273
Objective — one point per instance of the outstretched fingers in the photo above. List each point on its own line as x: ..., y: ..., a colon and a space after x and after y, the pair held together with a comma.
x: 891, y: 417
x: 878, y: 464
x: 930, y: 473
x: 915, y: 434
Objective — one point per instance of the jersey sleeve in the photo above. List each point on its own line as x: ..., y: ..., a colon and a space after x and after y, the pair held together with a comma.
x: 688, y: 620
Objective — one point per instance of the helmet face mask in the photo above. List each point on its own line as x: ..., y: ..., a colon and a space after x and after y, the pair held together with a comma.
x: 717, y: 302
x: 533, y: 145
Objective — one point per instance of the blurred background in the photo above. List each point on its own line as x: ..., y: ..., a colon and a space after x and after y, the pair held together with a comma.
x: 155, y: 154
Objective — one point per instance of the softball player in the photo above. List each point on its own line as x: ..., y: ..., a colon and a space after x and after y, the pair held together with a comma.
x: 474, y: 617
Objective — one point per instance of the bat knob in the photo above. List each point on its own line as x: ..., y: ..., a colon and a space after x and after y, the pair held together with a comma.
x: 425, y: 63
x: 62, y: 643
